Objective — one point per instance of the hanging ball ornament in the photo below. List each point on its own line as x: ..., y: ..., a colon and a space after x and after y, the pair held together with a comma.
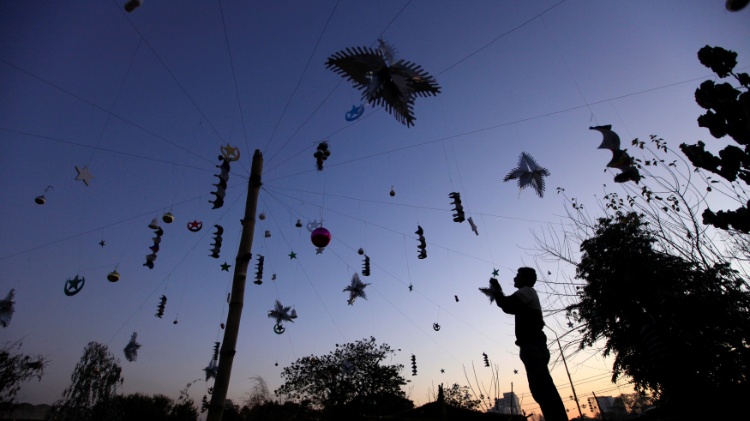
x: 393, y: 192
x: 361, y: 251
x: 168, y: 218
x: 40, y: 200
x: 113, y: 276
x: 262, y: 216
x: 320, y: 237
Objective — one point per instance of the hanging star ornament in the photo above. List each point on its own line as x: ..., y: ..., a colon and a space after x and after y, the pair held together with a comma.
x: 528, y: 173
x: 84, y: 175
x: 7, y: 308
x: 493, y: 291
x: 225, y: 267
x: 292, y: 255
x: 281, y: 313
x: 395, y: 85
x: 131, y: 349
x: 355, y: 289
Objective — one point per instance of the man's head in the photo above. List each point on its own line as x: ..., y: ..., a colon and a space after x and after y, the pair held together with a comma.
x: 526, y: 277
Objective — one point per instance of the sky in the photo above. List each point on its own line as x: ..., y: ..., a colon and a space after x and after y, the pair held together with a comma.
x: 145, y: 100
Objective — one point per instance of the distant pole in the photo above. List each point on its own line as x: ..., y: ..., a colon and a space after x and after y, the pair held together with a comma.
x: 562, y: 354
x: 226, y: 356
x: 512, y: 400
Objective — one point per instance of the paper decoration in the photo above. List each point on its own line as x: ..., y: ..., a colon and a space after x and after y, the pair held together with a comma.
x: 620, y: 158
x: 528, y: 173
x: 355, y: 289
x: 394, y: 85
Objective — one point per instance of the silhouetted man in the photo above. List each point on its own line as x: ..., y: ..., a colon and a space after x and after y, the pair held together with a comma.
x: 531, y: 340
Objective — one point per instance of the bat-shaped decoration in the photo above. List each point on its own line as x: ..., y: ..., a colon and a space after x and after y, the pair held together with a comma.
x: 383, y: 80
x: 321, y: 154
x: 355, y: 289
x: 131, y: 349
x: 493, y: 291
x: 259, y: 270
x: 366, y: 266
x: 158, y: 232
x: 422, y: 243
x: 217, y: 242
x: 7, y: 308
x: 620, y: 158
x: 221, y: 186
x: 473, y: 225
x: 528, y: 173
x: 160, y: 307
x: 459, y: 215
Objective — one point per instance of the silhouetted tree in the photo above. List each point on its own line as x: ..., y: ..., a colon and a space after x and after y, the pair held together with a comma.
x: 94, y: 382
x: 352, y: 371
x: 288, y: 411
x: 16, y: 369
x: 674, y: 327
x: 259, y: 393
x: 727, y: 114
x: 136, y: 407
x: 460, y: 397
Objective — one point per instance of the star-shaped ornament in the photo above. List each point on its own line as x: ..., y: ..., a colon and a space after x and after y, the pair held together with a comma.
x: 282, y: 313
x: 493, y: 292
x: 131, y: 349
x: 355, y: 289
x: 292, y: 255
x: 515, y: 371
x: 225, y: 267
x: 101, y: 243
x: 84, y: 175
x: 495, y: 272
x: 528, y: 173
x: 319, y: 250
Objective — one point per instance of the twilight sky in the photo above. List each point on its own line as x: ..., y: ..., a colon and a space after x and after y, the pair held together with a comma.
x: 146, y: 99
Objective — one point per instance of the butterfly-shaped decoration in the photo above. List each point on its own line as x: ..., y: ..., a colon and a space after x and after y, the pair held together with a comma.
x: 7, y: 308
x: 356, y: 289
x: 620, y: 158
x: 131, y: 349
x: 528, y: 173
x: 395, y: 85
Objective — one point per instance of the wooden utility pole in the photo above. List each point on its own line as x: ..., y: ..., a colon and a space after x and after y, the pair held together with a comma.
x: 232, y: 327
x: 575, y: 396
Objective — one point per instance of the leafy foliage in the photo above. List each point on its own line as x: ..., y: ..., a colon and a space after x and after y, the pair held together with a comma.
x: 16, y: 369
x: 352, y: 371
x: 460, y: 397
x: 138, y: 406
x: 673, y: 326
x: 93, y: 385
x: 727, y: 114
